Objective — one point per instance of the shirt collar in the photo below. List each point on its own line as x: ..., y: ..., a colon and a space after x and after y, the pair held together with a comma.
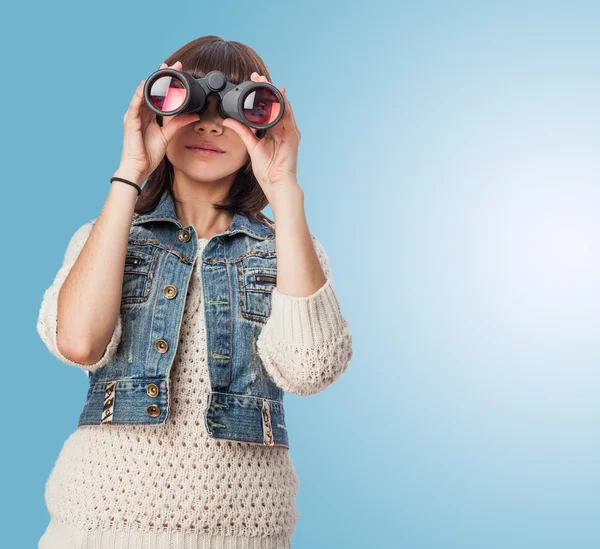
x: 165, y: 211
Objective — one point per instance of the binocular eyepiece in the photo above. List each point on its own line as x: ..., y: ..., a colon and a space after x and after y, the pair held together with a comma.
x: 258, y: 105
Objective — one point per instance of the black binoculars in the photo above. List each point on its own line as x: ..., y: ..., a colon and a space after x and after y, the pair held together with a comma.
x: 258, y: 105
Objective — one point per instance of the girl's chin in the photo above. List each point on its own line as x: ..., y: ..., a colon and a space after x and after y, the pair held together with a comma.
x: 204, y: 173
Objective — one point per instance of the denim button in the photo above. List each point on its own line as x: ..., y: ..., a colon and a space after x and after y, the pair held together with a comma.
x: 170, y: 291
x: 153, y: 410
x: 161, y: 346
x: 184, y: 235
x: 152, y: 390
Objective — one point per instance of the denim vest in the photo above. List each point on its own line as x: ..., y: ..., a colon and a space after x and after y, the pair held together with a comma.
x: 238, y: 270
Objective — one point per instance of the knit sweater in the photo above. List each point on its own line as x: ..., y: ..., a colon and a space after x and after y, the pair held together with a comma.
x: 171, y: 485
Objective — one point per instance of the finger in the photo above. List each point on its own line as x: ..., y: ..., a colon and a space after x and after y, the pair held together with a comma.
x: 258, y: 77
x: 164, y: 65
x: 245, y: 133
x: 261, y: 78
x: 134, y: 104
x: 288, y: 119
x: 178, y: 121
x: 147, y: 115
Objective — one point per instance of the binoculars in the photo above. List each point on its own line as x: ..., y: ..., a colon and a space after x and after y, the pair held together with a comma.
x: 258, y: 105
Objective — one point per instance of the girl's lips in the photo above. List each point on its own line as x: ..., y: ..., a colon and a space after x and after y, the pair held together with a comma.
x: 204, y: 152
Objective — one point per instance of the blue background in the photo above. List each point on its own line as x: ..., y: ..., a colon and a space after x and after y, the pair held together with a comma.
x: 449, y: 159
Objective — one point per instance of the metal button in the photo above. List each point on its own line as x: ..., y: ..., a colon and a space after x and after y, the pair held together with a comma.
x: 161, y: 346
x: 170, y: 291
x: 184, y: 235
x: 153, y: 410
x: 152, y: 390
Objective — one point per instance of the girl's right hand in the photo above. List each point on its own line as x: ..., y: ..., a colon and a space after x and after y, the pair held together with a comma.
x: 144, y: 141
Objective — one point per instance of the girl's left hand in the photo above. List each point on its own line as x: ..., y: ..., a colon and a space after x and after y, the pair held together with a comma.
x: 275, y: 156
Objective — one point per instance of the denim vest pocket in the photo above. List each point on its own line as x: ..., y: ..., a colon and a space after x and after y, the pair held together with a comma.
x: 138, y: 274
x: 257, y: 274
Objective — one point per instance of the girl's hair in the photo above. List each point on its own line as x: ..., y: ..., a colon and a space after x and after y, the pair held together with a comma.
x: 237, y: 61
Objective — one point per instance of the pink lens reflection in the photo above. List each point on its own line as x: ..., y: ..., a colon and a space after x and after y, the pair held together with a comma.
x: 261, y: 106
x: 167, y: 94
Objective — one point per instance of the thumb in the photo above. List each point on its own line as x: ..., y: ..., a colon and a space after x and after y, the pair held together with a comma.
x: 177, y: 123
x: 243, y: 131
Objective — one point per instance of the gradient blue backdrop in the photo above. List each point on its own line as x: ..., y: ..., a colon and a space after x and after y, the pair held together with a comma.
x: 449, y: 159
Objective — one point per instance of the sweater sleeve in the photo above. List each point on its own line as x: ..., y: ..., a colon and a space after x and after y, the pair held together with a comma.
x: 306, y: 344
x: 48, y: 314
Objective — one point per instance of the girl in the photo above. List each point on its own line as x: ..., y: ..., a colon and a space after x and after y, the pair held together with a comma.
x: 182, y: 477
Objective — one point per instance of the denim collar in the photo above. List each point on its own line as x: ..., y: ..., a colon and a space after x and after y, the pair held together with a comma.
x: 165, y: 211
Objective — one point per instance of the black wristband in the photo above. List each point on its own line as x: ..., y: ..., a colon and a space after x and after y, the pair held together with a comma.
x: 139, y: 189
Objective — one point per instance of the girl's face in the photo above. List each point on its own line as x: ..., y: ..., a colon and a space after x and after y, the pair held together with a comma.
x: 208, y: 128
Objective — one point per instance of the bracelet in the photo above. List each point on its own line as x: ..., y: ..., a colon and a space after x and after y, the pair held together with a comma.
x: 139, y: 189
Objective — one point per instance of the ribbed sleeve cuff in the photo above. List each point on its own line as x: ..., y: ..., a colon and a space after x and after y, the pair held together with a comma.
x: 306, y: 321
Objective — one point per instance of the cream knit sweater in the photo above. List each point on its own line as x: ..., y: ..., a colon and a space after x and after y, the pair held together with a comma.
x: 172, y: 486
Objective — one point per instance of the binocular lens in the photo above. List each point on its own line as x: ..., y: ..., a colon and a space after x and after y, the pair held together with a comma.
x: 167, y: 93
x: 261, y: 106
x: 256, y: 104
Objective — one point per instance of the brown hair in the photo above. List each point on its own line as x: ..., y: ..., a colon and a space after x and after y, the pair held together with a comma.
x: 237, y: 62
